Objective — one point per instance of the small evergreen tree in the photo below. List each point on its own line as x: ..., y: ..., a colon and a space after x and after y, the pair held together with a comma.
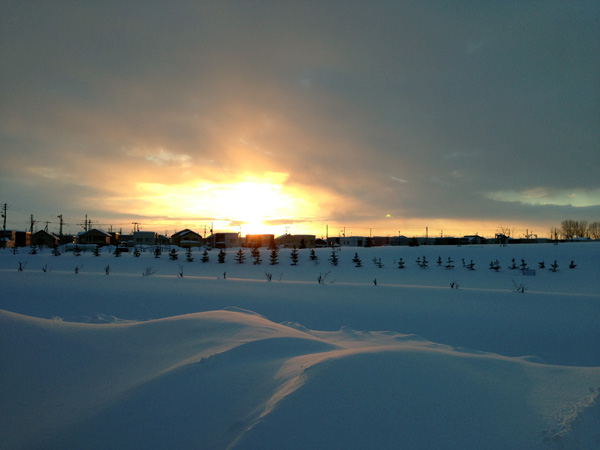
x: 96, y: 251
x: 117, y: 251
x: 188, y: 255
x: 173, y: 255
x: 157, y: 252
x: 55, y: 250
x: 77, y: 250
x: 400, y: 264
x: 240, y: 257
x: 357, y: 261
x: 205, y: 256
x: 333, y: 258
x: 377, y: 262
x: 255, y: 253
x: 313, y: 256
x: 495, y: 265
x: 274, y: 256
x: 136, y: 252
x: 294, y: 256
x: 221, y: 256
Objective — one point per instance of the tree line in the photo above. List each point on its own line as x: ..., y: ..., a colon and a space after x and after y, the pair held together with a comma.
x: 571, y: 229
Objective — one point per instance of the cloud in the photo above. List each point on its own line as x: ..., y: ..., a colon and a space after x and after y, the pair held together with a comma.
x: 546, y: 196
x: 162, y: 157
x: 476, y: 116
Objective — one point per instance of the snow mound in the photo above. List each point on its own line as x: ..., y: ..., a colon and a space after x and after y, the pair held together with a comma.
x: 233, y: 379
x: 579, y: 425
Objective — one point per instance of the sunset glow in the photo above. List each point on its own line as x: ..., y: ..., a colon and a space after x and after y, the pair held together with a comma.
x: 253, y: 203
x: 401, y: 118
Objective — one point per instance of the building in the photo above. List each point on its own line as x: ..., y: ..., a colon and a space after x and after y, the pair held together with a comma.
x: 296, y: 240
x: 94, y: 237
x: 259, y: 240
x: 187, y: 238
x: 144, y: 238
x: 44, y: 239
x: 12, y: 239
x: 224, y: 240
x: 473, y: 240
x: 347, y: 241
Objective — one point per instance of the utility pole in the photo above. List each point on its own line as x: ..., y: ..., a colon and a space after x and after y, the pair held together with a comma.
x: 4, y: 226
x: 136, y: 226
x: 31, y: 224
x: 61, y: 226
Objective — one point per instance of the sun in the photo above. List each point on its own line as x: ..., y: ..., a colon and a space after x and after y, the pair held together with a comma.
x: 251, y: 202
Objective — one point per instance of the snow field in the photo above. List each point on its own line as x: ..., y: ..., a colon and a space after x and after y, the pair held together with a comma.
x: 207, y: 361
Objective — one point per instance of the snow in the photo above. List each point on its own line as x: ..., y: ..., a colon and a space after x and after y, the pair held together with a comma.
x: 221, y: 358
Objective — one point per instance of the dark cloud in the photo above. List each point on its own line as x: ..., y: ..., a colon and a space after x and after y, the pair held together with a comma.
x: 412, y: 109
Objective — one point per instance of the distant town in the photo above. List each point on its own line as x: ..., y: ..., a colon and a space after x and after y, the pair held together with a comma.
x: 187, y: 238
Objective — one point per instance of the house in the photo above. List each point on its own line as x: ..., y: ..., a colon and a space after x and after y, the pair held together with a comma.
x: 162, y: 240
x: 114, y: 238
x: 296, y: 240
x: 44, y: 239
x: 94, y: 237
x: 320, y: 243
x: 347, y: 241
x: 144, y: 238
x: 259, y: 240
x: 447, y: 240
x: 5, y: 236
x: 224, y: 240
x: 473, y: 240
x: 187, y: 238
x: 378, y: 241
x: 12, y: 239
x: 399, y: 240
x: 126, y: 240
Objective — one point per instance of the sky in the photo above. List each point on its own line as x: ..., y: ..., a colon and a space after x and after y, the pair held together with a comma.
x: 355, y: 117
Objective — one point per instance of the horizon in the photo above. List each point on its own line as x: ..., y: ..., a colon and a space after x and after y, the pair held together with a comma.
x: 205, y: 229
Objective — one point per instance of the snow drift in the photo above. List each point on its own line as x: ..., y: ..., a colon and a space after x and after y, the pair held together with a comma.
x: 144, y: 377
